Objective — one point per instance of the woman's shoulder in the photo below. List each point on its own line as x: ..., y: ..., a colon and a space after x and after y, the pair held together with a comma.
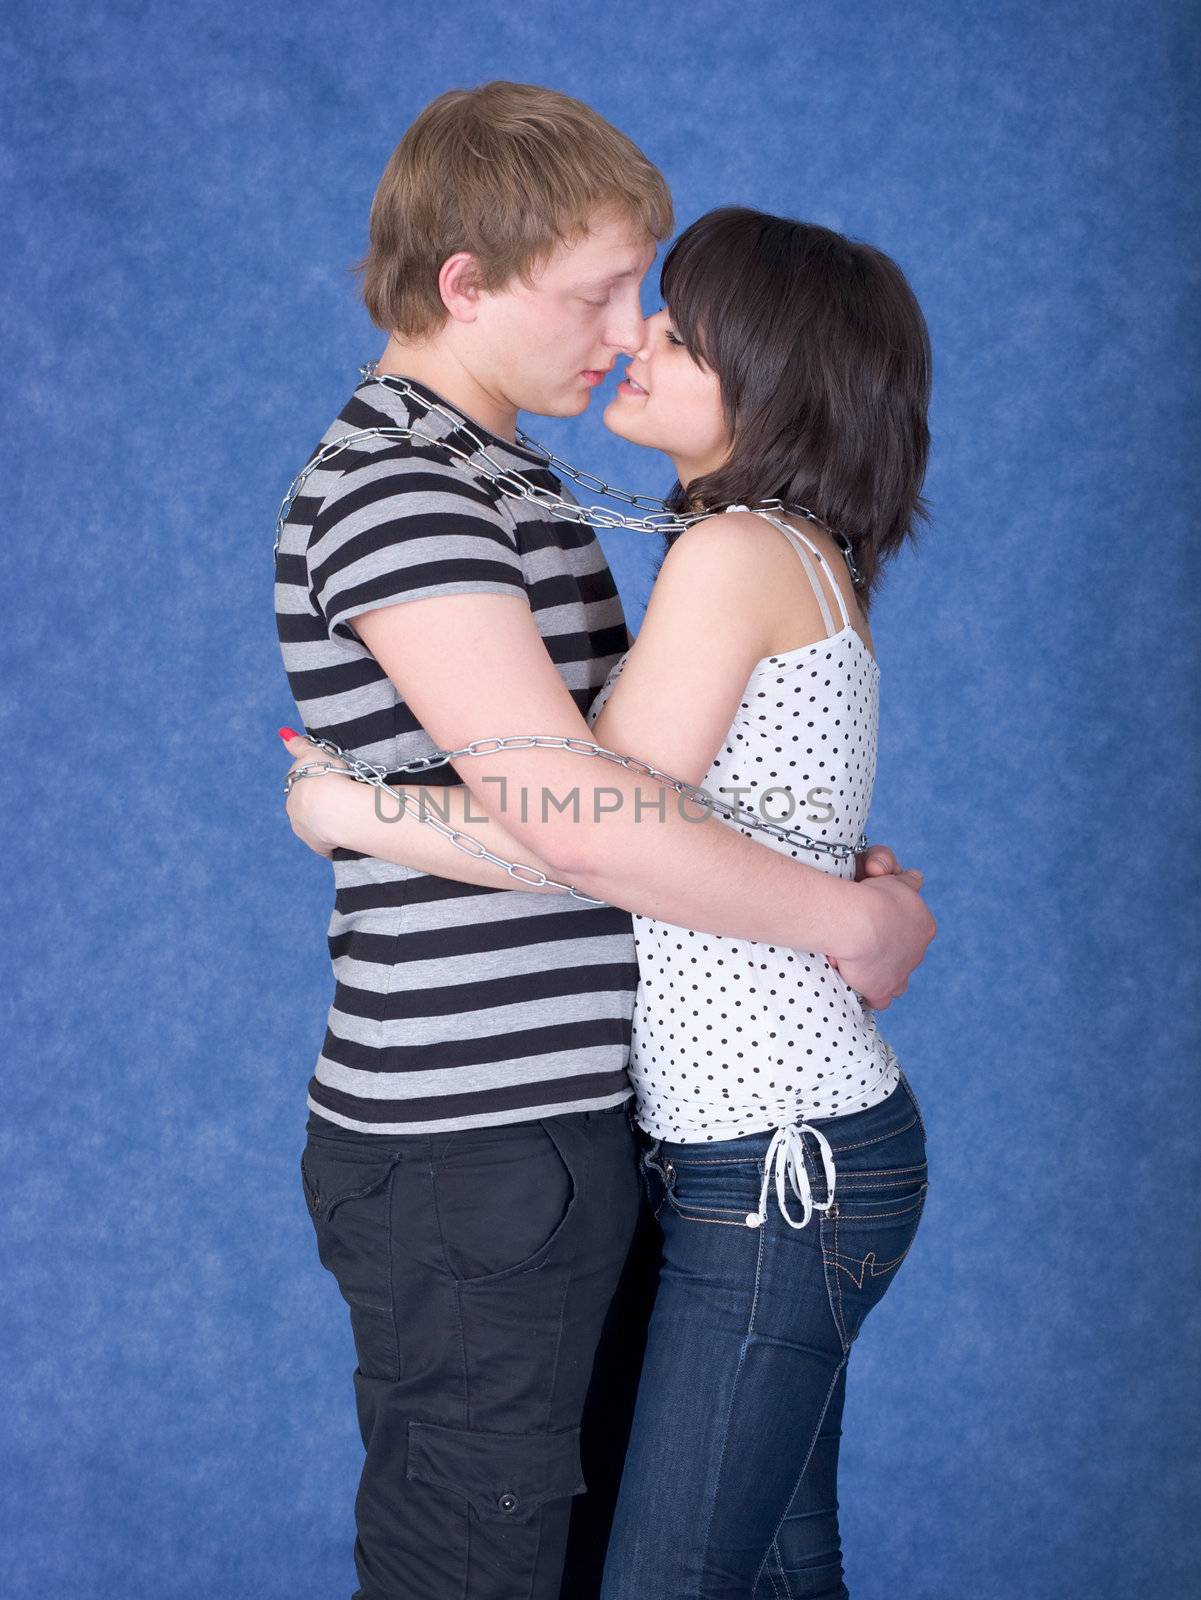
x: 725, y: 535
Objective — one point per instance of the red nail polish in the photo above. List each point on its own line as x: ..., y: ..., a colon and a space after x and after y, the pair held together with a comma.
x: 288, y: 733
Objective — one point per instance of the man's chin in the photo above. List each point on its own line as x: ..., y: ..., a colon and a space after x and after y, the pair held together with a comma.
x: 565, y: 404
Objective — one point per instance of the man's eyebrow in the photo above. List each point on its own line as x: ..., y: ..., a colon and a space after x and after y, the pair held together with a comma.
x: 613, y: 277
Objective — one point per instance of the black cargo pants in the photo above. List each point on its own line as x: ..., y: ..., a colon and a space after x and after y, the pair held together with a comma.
x: 478, y: 1267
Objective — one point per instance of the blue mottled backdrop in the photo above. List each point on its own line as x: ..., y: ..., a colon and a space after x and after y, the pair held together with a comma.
x: 188, y: 185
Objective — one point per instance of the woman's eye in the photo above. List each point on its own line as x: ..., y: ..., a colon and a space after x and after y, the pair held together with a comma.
x: 671, y: 339
x: 603, y: 302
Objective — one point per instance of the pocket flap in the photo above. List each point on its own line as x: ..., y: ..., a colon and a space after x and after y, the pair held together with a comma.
x: 501, y: 1474
x: 333, y: 1174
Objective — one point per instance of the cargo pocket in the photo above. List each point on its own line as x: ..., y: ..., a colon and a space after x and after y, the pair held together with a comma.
x: 505, y: 1477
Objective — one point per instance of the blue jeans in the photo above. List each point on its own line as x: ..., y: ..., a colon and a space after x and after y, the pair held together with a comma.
x: 730, y: 1480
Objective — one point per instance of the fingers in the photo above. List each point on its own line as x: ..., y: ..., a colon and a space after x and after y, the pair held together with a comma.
x: 879, y: 859
x: 301, y: 748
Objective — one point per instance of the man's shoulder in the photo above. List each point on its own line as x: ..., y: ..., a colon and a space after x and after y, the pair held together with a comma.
x: 367, y: 456
x: 365, y: 429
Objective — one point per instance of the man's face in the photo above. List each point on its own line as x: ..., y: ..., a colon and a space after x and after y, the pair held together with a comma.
x: 546, y: 348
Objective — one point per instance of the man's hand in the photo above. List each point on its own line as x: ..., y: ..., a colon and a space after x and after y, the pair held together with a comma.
x: 878, y: 979
x: 879, y: 859
x: 311, y: 803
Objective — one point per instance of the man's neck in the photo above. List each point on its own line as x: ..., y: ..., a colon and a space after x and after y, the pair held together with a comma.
x: 441, y: 371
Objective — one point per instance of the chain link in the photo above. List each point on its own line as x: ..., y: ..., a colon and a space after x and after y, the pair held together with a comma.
x: 511, y: 483
x: 368, y: 772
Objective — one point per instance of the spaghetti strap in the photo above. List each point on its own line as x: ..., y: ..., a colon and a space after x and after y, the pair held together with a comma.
x: 794, y: 535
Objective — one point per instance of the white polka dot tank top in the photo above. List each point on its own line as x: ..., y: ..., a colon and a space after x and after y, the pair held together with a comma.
x: 731, y: 1036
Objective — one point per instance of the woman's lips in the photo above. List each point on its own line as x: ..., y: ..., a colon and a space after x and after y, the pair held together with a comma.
x: 626, y: 386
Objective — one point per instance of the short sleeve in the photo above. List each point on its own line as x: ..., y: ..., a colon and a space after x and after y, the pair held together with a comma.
x: 407, y: 530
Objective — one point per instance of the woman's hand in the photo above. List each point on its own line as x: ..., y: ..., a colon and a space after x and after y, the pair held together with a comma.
x: 312, y: 804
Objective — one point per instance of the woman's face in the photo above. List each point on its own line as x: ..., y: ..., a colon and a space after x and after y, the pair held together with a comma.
x: 675, y: 406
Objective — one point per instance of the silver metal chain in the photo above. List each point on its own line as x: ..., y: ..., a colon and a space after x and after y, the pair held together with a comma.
x: 368, y: 772
x: 512, y: 484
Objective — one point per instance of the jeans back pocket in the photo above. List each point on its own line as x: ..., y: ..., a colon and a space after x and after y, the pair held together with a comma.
x: 866, y: 1234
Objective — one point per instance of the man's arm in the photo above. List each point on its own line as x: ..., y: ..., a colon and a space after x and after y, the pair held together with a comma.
x: 357, y: 816
x: 474, y: 666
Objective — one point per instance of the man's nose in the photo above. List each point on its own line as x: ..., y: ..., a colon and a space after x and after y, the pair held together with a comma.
x: 627, y: 333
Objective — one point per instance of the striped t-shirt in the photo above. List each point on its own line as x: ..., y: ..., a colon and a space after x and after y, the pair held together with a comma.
x: 454, y: 1006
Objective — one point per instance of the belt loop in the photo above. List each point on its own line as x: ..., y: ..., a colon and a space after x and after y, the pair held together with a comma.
x: 649, y: 1161
x: 650, y: 1156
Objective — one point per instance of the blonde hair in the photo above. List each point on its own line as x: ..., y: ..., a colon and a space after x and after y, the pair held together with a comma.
x: 506, y: 171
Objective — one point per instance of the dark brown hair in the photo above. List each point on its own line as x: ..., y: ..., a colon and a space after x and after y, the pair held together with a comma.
x: 505, y: 171
x: 823, y: 358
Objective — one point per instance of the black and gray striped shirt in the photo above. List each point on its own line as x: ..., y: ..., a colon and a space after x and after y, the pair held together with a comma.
x: 454, y: 1006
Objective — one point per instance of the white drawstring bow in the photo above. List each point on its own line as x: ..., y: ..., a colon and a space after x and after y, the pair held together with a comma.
x: 786, y: 1153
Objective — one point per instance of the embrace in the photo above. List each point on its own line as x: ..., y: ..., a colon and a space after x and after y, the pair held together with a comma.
x: 613, y: 974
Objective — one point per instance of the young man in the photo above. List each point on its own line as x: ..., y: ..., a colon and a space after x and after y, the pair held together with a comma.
x: 470, y: 1165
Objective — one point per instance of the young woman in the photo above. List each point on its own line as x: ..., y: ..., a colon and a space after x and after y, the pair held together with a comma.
x: 784, y: 1150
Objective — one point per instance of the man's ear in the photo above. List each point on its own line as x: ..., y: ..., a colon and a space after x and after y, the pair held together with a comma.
x: 458, y: 284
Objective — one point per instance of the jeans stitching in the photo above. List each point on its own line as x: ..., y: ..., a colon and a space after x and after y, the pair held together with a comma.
x: 733, y: 1395
x: 886, y: 1216
x: 804, y: 1468
x: 719, y: 1222
x: 786, y: 1591
x: 692, y: 1214
x: 877, y: 1270
x: 858, y: 1144
x: 833, y: 1290
x: 736, y: 1161
x: 842, y: 1321
x: 883, y: 1172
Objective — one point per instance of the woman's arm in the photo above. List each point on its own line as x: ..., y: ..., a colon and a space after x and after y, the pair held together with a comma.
x: 681, y: 684
x: 708, y: 623
x: 331, y: 812
x: 672, y: 705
